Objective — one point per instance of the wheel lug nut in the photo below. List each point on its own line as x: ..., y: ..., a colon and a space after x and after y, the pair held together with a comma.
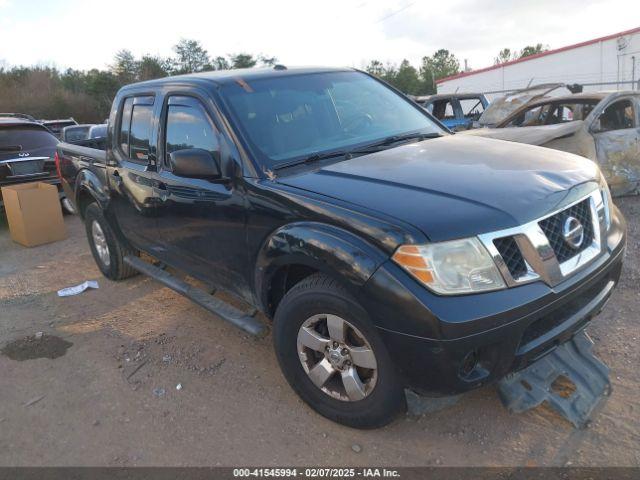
x: 335, y: 344
x: 345, y: 351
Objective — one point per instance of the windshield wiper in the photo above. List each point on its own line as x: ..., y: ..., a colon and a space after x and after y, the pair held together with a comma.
x: 372, y: 147
x: 314, y: 157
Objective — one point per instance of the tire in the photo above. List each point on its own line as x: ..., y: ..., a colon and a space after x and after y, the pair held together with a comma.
x: 312, y: 305
x: 101, y: 235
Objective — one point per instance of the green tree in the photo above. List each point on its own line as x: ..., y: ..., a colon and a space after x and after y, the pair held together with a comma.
x: 407, y: 80
x: 150, y: 67
x: 242, y: 60
x: 441, y: 64
x: 267, y: 61
x: 220, y: 63
x: 191, y: 57
x: 533, y: 50
x: 505, y: 55
x: 426, y: 77
x: 375, y: 67
x: 125, y: 66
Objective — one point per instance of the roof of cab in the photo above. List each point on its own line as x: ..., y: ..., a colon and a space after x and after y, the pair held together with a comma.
x: 219, y: 77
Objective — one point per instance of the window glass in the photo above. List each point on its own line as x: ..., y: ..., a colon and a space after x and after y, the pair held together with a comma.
x: 290, y: 117
x: 471, y: 107
x: 75, y: 134
x: 527, y: 118
x: 98, y: 131
x: 618, y: 116
x: 125, y: 124
x: 140, y: 131
x: 189, y: 127
x: 25, y: 138
x: 443, y: 110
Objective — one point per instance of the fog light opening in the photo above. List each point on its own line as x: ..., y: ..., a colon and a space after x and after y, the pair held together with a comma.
x: 469, y: 363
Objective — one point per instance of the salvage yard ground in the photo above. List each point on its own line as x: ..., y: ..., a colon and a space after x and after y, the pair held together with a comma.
x: 104, y: 392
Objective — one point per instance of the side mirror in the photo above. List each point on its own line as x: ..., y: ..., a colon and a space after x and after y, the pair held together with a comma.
x: 195, y: 163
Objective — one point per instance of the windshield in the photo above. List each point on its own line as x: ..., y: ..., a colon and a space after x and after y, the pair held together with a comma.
x: 499, y: 109
x: 285, y: 118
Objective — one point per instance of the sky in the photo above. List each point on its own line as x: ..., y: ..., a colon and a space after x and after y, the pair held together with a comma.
x: 84, y: 34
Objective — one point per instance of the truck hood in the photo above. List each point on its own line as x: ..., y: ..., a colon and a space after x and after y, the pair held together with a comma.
x: 538, y: 135
x: 455, y: 186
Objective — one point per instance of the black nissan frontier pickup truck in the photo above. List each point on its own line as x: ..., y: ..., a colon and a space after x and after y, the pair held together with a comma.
x: 388, y: 252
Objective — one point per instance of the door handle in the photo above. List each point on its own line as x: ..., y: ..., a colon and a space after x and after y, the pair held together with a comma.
x: 116, y: 177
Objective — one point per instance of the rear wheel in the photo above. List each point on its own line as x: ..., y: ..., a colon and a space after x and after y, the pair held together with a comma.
x: 332, y: 356
x: 107, y: 249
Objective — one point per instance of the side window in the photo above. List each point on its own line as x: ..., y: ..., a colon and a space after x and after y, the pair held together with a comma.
x: 135, y: 127
x: 443, y: 110
x: 617, y: 116
x: 125, y: 124
x: 189, y: 126
x: 527, y: 118
x: 140, y: 132
x: 471, y: 107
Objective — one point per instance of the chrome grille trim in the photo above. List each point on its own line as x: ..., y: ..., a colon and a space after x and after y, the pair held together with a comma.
x: 538, y: 254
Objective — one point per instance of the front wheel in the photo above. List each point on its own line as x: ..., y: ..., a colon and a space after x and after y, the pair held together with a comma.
x: 332, y: 356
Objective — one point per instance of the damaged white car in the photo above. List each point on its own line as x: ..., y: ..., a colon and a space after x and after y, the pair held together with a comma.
x: 602, y: 126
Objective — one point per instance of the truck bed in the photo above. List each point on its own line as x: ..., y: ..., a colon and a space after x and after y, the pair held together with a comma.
x: 74, y: 159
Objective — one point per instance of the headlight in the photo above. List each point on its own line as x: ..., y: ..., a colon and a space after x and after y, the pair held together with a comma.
x: 450, y: 268
x: 606, y: 202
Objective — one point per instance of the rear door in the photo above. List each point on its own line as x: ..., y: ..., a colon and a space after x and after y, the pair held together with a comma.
x: 616, y: 132
x: 132, y: 172
x: 201, y: 222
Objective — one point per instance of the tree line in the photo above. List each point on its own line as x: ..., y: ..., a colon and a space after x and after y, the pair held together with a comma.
x: 86, y: 95
x: 421, y: 79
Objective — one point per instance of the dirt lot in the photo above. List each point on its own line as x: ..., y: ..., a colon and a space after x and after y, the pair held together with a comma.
x: 105, y: 392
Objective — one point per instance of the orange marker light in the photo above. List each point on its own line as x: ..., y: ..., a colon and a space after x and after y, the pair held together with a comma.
x: 409, y: 257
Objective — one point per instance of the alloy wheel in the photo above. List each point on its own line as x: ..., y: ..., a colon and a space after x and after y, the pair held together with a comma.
x: 337, y: 357
x: 100, y: 242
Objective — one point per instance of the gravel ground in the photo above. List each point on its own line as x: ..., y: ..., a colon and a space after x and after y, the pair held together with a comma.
x: 107, y: 395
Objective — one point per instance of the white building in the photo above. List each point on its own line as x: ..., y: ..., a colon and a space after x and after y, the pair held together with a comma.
x: 605, y: 61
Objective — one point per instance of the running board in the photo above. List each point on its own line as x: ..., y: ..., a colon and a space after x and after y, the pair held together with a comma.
x: 573, y: 360
x: 225, y: 311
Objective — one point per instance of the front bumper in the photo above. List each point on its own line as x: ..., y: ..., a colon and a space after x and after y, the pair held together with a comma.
x: 451, y: 344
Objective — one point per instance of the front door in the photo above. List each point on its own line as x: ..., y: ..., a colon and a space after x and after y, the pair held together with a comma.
x: 131, y: 174
x: 201, y: 222
x: 617, y: 138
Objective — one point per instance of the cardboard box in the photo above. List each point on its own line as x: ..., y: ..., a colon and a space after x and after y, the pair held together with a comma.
x: 34, y: 213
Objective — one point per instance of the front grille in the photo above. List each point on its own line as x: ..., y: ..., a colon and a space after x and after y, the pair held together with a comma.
x: 552, y: 227
x: 508, y: 249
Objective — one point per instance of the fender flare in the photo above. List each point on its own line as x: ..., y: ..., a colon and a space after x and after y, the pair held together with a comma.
x: 323, y: 247
x: 89, y: 182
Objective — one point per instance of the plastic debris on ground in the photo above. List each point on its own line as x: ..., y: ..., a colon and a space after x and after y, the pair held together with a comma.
x: 67, y: 292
